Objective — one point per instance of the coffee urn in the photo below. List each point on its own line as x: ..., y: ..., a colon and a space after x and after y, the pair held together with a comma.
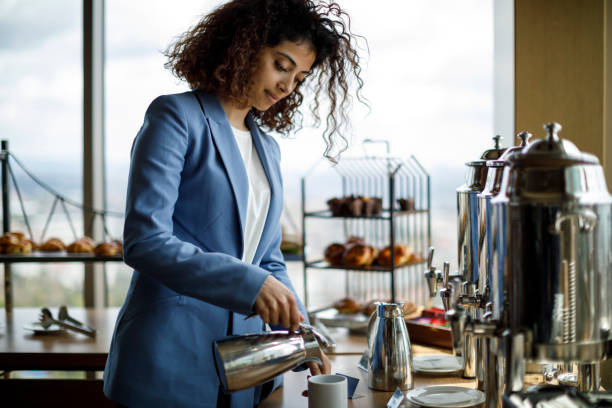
x: 552, y: 251
x: 467, y: 211
x: 557, y: 259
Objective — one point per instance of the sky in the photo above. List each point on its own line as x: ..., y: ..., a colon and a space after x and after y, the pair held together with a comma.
x: 427, y: 69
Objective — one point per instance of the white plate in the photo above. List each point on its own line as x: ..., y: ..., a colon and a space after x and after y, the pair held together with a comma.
x: 442, y: 364
x: 332, y: 318
x: 37, y: 328
x: 446, y: 396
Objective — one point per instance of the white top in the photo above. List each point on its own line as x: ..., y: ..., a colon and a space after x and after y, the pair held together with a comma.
x: 259, y: 194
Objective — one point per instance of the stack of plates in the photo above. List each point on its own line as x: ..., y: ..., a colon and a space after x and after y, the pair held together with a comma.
x: 437, y: 365
x: 445, y: 396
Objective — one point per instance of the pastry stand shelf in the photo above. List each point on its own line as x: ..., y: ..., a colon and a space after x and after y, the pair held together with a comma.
x: 60, y: 201
x: 57, y: 257
x: 403, y: 187
x: 321, y: 264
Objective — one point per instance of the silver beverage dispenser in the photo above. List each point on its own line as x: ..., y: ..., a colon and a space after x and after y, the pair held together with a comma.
x: 489, y: 286
x: 552, y: 253
x: 466, y: 281
x: 486, y: 228
x: 556, y: 259
x: 467, y: 211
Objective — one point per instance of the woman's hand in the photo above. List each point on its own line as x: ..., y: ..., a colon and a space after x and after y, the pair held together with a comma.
x: 324, y: 368
x: 316, y: 369
x: 276, y: 304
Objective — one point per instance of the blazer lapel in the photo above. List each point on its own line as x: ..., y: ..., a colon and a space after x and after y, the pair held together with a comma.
x: 230, y: 154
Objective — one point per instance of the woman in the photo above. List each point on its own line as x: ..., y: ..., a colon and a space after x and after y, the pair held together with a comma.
x: 202, y: 228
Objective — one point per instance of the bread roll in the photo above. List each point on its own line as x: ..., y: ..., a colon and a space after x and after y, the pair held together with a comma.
x: 81, y: 246
x: 358, y: 255
x: 106, y: 249
x: 347, y: 306
x: 119, y: 244
x: 401, y: 255
x: 23, y: 247
x: 52, y: 245
x: 9, y: 238
x: 33, y: 244
x: 370, y: 307
x: 355, y: 240
x: 334, y: 254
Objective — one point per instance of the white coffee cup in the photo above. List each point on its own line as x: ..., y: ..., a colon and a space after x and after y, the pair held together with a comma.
x: 327, y: 391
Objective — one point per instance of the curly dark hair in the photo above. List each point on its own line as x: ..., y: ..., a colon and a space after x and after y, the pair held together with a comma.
x: 219, y: 55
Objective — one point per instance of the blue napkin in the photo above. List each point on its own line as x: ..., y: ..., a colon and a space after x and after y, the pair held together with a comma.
x: 351, y: 383
x: 396, y: 399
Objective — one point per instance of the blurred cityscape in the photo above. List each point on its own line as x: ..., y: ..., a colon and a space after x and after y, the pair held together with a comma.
x: 62, y: 283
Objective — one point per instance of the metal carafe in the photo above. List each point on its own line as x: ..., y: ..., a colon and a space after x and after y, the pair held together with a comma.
x: 249, y: 360
x: 389, y: 350
x: 467, y: 212
x: 490, y: 372
x: 487, y: 228
x: 556, y: 232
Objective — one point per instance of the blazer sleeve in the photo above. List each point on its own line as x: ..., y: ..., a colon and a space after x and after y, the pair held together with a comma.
x: 150, y: 247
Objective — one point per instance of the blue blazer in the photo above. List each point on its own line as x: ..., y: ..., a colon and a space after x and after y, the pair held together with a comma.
x: 183, y: 235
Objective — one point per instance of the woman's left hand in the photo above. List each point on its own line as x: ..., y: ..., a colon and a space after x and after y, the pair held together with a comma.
x: 316, y: 369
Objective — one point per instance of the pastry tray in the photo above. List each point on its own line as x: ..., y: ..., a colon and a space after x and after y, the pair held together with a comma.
x: 39, y: 256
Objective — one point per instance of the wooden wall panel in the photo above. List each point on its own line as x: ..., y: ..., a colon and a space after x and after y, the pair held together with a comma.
x: 559, y: 57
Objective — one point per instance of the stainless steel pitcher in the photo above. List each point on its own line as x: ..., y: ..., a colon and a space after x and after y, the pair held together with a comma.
x: 249, y: 360
x: 389, y: 350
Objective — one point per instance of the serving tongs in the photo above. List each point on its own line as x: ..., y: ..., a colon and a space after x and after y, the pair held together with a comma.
x: 66, y: 322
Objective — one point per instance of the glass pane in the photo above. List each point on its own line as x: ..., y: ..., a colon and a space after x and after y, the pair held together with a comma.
x: 429, y: 82
x: 41, y: 87
x: 137, y: 32
x: 428, y: 78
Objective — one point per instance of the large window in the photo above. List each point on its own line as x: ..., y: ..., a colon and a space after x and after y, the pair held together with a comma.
x: 136, y: 34
x: 428, y: 77
x: 41, y: 110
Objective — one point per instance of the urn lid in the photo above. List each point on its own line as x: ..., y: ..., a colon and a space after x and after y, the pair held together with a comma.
x: 524, y: 137
x: 552, y: 151
x: 489, y: 154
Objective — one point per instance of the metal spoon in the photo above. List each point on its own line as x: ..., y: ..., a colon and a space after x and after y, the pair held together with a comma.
x: 46, y: 320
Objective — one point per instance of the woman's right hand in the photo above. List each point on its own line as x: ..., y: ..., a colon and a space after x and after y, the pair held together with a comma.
x: 276, y: 304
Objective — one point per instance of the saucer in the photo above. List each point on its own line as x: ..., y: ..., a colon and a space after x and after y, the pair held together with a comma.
x: 38, y: 328
x: 445, y: 396
x: 440, y: 364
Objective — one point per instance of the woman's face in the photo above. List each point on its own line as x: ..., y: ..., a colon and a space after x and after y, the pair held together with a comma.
x: 279, y: 70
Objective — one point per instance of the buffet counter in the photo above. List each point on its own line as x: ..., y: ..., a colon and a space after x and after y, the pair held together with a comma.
x: 21, y: 349
x: 345, y: 359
